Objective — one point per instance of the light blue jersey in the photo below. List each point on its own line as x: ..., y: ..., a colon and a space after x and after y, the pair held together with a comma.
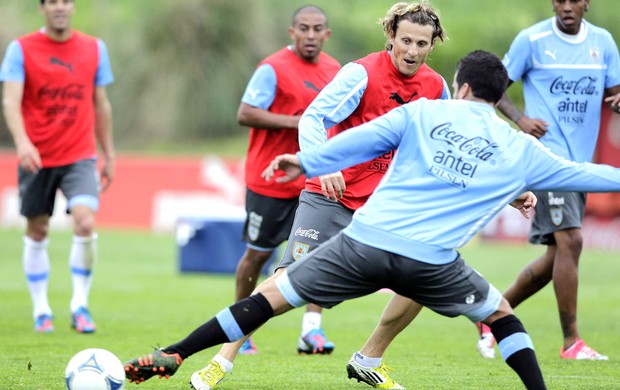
x: 564, y: 78
x: 457, y: 164
x: 335, y: 103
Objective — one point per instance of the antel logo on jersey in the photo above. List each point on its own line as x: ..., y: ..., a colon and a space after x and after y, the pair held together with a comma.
x: 308, y: 233
x: 583, y: 86
x: 477, y: 147
x: 571, y: 109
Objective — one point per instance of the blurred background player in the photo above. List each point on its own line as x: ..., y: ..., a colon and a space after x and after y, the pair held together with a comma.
x: 56, y: 108
x: 567, y: 66
x: 280, y: 89
x: 362, y: 90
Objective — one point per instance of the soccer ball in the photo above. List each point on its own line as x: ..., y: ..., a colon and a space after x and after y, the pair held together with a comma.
x: 95, y: 369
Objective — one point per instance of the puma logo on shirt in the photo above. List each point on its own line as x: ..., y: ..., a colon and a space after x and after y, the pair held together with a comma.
x: 56, y: 61
x: 399, y: 100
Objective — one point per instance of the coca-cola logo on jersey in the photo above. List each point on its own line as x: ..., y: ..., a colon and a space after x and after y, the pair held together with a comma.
x: 71, y: 91
x: 61, y: 103
x: 583, y: 86
x: 312, y: 234
x: 477, y: 147
x: 457, y: 163
x: 571, y: 110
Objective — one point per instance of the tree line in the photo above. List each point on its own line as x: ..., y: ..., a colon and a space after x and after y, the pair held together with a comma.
x: 181, y: 66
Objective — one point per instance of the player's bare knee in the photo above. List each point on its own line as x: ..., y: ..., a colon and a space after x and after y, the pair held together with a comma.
x: 83, y: 220
x: 504, y: 309
x: 37, y: 235
x: 575, y: 244
x: 84, y: 225
x: 264, y: 284
x: 37, y: 228
x: 570, y: 240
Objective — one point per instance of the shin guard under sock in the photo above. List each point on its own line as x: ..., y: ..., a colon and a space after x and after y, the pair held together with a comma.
x: 517, y: 350
x: 229, y: 324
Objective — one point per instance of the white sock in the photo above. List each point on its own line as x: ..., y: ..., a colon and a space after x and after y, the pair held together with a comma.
x: 81, y: 261
x: 312, y: 320
x: 225, y: 363
x: 367, y: 361
x: 36, y: 263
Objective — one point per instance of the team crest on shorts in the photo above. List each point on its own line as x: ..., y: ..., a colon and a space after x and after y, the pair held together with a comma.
x: 255, y: 221
x: 556, y: 216
x: 300, y: 250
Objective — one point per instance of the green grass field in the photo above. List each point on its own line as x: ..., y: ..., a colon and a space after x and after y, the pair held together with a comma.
x: 139, y: 300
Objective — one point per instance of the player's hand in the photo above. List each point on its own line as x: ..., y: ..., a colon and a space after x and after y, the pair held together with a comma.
x: 525, y: 203
x: 614, y: 102
x: 333, y: 185
x: 534, y: 127
x: 287, y: 163
x: 29, y: 157
x: 107, y: 174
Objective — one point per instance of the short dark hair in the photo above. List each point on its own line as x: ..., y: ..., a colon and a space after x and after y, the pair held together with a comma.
x: 309, y: 8
x: 485, y: 74
x: 43, y: 1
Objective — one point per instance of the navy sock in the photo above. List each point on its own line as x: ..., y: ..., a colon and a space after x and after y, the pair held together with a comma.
x: 517, y: 350
x: 229, y: 324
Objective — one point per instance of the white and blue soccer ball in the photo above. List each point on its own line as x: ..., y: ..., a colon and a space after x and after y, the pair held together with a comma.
x: 95, y: 369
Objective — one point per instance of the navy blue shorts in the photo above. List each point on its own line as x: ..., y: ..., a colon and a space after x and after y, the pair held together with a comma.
x: 268, y: 221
